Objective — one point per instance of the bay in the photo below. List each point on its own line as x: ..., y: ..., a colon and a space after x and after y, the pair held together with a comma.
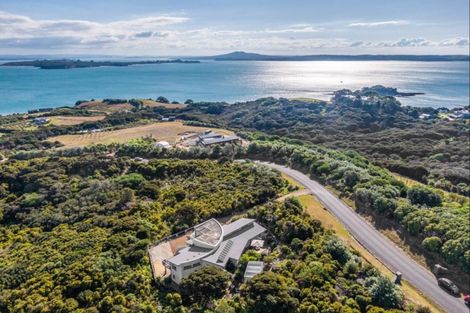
x: 445, y: 84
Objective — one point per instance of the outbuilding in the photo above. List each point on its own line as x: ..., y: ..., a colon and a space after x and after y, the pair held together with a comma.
x: 252, y: 268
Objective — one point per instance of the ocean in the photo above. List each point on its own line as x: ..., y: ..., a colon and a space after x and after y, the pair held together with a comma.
x: 444, y: 84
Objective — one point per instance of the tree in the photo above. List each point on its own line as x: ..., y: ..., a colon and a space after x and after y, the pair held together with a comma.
x: 31, y: 199
x: 132, y: 180
x: 205, y: 284
x: 424, y: 196
x: 269, y: 292
x: 351, y: 178
x: 338, y: 250
x: 384, y: 293
x: 162, y: 99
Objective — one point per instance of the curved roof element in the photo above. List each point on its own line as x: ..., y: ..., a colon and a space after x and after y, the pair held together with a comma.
x: 208, y: 234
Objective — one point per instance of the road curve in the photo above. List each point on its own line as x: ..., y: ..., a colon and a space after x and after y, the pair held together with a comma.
x: 380, y: 246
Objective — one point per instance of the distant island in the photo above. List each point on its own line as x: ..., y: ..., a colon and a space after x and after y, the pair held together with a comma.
x: 68, y: 64
x: 246, y: 56
x: 388, y: 91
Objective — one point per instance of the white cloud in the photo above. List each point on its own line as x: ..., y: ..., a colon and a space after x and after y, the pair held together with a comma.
x: 172, y: 35
x: 379, y: 23
x: 413, y: 42
x: 297, y: 28
x: 406, y: 42
x: 459, y: 42
x: 24, y: 28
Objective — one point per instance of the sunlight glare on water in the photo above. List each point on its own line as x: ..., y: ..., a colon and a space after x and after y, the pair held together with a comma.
x: 23, y: 88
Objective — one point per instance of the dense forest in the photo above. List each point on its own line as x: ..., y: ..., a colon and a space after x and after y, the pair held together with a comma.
x: 438, y: 220
x: 75, y: 229
x: 432, y: 150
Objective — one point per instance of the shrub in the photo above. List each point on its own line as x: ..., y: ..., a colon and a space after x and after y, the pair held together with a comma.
x: 269, y: 292
x: 205, y: 284
x: 132, y: 180
x: 423, y: 196
x: 384, y: 293
x: 432, y: 243
x: 31, y: 200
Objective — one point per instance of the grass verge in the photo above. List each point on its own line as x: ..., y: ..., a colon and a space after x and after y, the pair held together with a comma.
x: 315, y: 209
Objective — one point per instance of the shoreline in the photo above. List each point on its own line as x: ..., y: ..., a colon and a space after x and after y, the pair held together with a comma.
x: 400, y: 95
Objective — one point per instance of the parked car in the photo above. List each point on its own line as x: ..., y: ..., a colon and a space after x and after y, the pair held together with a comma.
x: 448, y: 285
x: 466, y: 299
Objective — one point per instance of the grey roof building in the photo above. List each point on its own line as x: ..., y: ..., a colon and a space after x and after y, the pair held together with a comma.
x: 218, y: 140
x: 210, y: 137
x: 252, y: 268
x: 214, y: 244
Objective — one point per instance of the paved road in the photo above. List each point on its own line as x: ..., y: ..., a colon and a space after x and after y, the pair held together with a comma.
x: 380, y: 246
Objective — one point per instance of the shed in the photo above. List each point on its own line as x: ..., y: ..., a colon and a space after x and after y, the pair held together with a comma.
x: 253, y: 268
x: 163, y: 144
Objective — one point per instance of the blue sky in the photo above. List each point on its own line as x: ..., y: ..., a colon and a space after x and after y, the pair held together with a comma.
x: 205, y: 27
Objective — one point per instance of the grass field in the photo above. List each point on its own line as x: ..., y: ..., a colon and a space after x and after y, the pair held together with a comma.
x: 168, y: 131
x: 73, y: 120
x: 99, y: 106
x: 315, y: 209
x: 153, y: 104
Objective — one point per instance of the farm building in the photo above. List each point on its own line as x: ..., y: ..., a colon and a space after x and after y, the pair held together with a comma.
x: 209, y: 138
x: 38, y: 121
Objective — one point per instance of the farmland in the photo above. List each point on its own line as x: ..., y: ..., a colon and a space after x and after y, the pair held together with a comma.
x: 168, y: 131
x: 74, y: 120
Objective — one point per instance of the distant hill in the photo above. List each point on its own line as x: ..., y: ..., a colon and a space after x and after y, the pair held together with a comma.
x: 246, y: 56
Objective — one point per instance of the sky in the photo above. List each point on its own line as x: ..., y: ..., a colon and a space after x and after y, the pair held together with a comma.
x: 210, y: 27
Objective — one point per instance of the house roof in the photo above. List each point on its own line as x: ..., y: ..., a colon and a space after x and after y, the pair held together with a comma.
x: 236, y: 237
x: 233, y: 244
x: 189, y: 254
x: 210, y: 134
x: 210, y: 141
x: 242, y: 222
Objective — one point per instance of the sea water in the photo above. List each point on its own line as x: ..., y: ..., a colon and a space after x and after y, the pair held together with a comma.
x: 444, y: 84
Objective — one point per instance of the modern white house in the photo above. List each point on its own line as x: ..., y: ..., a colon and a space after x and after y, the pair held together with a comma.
x: 214, y: 244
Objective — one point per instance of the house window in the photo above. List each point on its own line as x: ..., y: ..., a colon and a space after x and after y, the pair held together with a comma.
x: 197, y: 264
x: 187, y: 267
x: 173, y: 267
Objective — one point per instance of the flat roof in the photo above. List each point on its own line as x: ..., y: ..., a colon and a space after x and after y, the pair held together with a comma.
x: 253, y: 268
x: 236, y: 225
x: 233, y: 245
x: 209, y: 141
x: 189, y: 254
x: 237, y: 238
x: 210, y: 135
